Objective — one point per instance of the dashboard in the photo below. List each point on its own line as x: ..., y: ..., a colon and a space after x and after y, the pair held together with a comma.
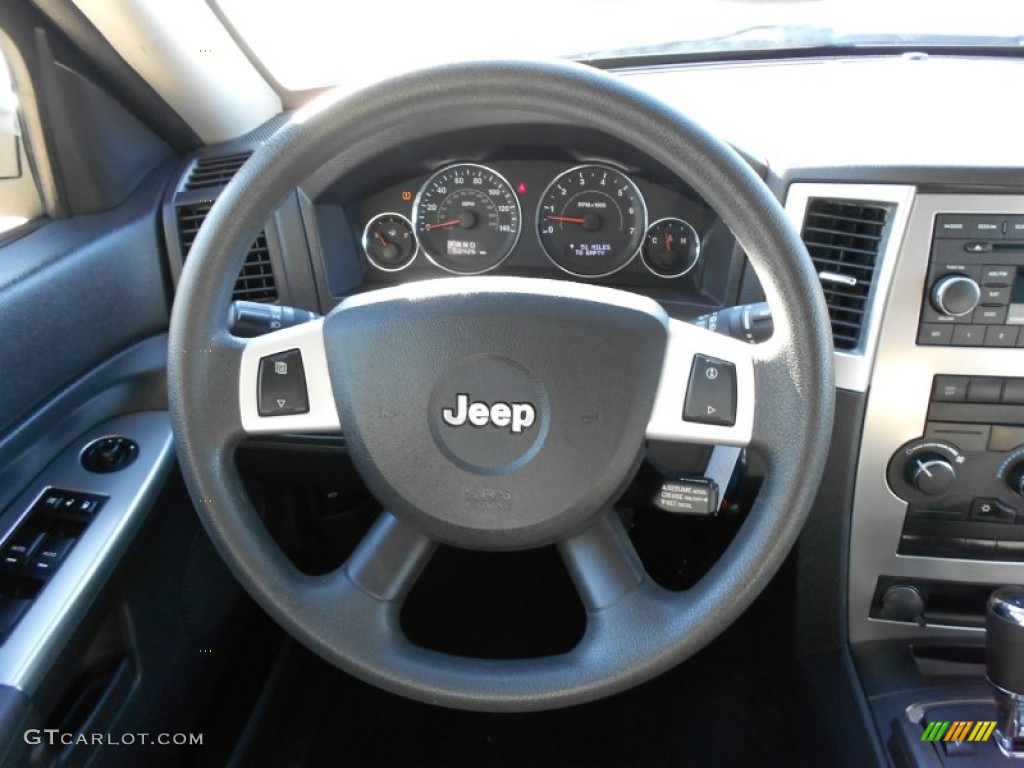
x: 556, y: 202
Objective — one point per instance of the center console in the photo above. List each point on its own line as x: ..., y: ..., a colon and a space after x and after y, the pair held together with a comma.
x: 937, y: 516
x: 937, y: 521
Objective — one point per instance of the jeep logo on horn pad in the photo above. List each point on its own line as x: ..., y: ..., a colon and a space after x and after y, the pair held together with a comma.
x: 513, y: 416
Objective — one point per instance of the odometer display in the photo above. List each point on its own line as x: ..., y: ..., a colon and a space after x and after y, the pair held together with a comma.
x: 467, y: 219
x: 591, y: 221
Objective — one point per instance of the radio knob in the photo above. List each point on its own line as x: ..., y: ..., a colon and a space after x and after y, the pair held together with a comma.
x: 931, y: 474
x: 1015, y: 478
x: 955, y: 295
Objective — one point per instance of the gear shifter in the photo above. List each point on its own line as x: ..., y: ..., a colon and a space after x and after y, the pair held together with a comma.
x: 1005, y: 640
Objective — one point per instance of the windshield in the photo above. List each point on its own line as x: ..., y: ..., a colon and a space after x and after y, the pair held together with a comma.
x: 309, y: 43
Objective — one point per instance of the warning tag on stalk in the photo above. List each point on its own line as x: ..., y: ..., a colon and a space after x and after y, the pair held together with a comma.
x: 687, y: 496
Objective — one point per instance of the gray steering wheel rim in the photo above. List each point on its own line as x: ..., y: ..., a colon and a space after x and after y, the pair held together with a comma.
x: 635, y: 636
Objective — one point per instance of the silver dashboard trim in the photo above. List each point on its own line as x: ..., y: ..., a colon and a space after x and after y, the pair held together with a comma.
x: 853, y: 369
x: 896, y: 411
x: 50, y: 622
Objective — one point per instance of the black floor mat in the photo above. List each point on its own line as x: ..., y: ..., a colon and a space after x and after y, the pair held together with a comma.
x: 738, y: 703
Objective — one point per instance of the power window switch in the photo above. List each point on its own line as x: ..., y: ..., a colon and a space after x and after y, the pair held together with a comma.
x: 50, y: 555
x: 21, y: 547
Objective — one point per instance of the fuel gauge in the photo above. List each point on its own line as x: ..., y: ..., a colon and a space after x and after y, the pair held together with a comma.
x: 671, y: 247
x: 389, y: 242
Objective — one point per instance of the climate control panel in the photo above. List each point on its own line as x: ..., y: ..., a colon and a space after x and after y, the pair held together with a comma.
x: 963, y: 480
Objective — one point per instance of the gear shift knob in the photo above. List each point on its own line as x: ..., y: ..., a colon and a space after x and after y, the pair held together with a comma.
x: 1004, y: 624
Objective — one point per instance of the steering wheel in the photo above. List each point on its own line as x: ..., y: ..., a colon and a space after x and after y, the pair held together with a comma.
x: 557, y: 386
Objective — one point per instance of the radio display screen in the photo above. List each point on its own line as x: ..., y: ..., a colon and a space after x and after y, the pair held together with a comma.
x: 1015, y: 315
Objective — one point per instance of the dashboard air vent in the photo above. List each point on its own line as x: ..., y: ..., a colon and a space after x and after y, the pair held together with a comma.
x: 215, y: 171
x: 844, y: 238
x: 256, y: 280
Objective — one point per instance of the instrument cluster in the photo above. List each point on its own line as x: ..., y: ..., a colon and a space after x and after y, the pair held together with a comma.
x: 585, y: 221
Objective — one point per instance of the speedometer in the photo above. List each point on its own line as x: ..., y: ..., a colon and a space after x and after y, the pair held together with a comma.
x: 467, y: 219
x: 591, y: 221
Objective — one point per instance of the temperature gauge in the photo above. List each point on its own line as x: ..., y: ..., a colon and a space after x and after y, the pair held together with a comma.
x: 389, y: 242
x: 671, y: 247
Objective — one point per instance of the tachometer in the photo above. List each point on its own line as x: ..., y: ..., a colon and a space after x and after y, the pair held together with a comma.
x: 592, y: 220
x: 467, y: 219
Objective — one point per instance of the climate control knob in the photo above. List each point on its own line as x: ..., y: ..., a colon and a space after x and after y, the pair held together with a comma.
x: 931, y: 474
x: 1015, y: 478
x: 955, y: 295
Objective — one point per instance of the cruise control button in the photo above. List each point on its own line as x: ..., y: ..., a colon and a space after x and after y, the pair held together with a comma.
x: 711, y: 393
x: 281, y: 389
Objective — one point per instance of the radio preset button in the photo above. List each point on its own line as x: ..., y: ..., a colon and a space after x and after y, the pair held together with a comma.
x: 968, y: 335
x: 1001, y: 336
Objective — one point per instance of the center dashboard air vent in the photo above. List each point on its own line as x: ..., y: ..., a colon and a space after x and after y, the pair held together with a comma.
x: 256, y: 280
x: 844, y: 239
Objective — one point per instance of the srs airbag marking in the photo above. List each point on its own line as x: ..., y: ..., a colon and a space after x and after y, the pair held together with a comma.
x: 485, y: 499
x: 514, y: 416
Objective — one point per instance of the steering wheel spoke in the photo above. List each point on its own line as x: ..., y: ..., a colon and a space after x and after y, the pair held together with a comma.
x: 284, y: 384
x: 389, y: 559
x: 602, y: 562
x: 706, y: 393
